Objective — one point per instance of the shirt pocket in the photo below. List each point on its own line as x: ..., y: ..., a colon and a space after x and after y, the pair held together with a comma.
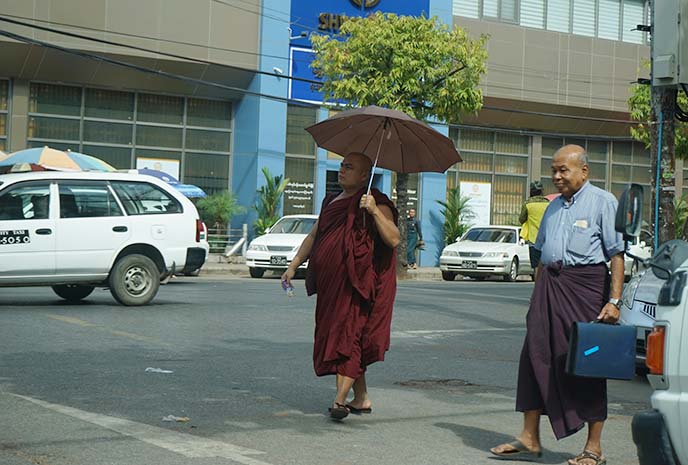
x: 580, y: 241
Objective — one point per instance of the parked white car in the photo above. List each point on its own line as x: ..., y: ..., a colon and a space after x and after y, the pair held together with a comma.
x: 487, y: 250
x: 78, y: 231
x: 275, y: 249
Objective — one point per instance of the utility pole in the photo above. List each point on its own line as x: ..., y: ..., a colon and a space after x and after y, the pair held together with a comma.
x: 669, y: 52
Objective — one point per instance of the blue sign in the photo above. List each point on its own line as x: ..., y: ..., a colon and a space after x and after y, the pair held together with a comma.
x: 325, y: 17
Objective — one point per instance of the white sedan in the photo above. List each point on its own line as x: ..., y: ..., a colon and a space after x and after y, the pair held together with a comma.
x: 484, y: 251
x: 275, y: 249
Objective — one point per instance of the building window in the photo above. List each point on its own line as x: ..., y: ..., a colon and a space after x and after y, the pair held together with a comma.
x: 606, y: 19
x: 189, y: 138
x: 497, y: 158
x: 299, y: 162
x: 631, y: 163
x: 4, y: 113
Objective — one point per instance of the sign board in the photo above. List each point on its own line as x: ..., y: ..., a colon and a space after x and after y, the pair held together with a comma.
x: 326, y: 17
x: 165, y: 165
x: 480, y: 194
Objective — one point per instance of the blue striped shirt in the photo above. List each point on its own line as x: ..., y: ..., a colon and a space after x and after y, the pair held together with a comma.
x: 580, y: 231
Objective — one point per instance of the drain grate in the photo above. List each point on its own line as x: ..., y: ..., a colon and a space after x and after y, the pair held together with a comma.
x: 435, y: 383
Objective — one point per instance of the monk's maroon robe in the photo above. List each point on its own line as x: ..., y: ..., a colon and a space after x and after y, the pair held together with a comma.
x: 353, y: 272
x: 561, y: 297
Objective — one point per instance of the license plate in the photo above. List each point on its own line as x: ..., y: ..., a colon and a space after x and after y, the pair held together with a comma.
x: 278, y: 260
x: 16, y: 236
x: 469, y: 264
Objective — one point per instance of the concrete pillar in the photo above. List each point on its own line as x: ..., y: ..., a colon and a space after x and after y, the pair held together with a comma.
x: 19, y: 115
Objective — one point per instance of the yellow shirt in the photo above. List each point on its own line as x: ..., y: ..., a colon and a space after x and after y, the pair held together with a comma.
x: 531, y: 216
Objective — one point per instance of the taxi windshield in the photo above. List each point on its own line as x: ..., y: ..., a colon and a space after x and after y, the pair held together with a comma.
x: 490, y: 235
x: 293, y: 226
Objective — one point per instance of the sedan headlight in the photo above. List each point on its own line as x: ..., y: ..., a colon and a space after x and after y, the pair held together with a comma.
x: 258, y: 247
x: 496, y: 255
x: 450, y: 253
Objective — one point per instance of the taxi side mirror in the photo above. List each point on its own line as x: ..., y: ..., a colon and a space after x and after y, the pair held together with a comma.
x: 630, y: 212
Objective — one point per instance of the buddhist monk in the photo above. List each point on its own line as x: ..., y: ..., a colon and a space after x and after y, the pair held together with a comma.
x: 352, y: 268
x: 576, y: 239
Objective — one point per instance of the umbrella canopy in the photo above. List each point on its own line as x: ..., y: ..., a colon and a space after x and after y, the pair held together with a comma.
x: 57, y: 160
x: 189, y: 190
x: 398, y: 142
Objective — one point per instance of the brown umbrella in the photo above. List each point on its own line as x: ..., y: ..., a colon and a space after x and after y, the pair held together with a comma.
x: 390, y: 138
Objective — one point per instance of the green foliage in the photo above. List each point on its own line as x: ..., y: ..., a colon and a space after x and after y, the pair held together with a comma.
x: 269, y: 197
x: 457, y: 215
x: 216, y: 210
x: 413, y: 64
x: 680, y: 216
x: 641, y: 110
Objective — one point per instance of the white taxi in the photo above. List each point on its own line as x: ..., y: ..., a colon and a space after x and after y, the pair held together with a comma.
x: 487, y: 250
x: 78, y: 231
x: 275, y: 249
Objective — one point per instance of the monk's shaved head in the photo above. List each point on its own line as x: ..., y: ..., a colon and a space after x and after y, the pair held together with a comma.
x: 366, y: 163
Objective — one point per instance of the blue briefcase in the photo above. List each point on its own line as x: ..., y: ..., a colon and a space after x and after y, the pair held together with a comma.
x: 599, y: 350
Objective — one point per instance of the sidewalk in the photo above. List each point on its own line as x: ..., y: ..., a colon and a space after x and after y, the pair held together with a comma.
x: 218, y: 264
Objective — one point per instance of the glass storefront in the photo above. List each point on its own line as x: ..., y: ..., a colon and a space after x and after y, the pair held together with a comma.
x: 188, y: 138
x: 299, y: 162
x: 496, y: 158
x: 4, y: 113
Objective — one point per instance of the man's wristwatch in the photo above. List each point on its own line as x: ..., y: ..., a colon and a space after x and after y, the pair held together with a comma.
x: 615, y: 302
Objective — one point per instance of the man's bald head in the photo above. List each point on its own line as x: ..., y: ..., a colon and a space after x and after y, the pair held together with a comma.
x: 574, y: 153
x: 570, y: 169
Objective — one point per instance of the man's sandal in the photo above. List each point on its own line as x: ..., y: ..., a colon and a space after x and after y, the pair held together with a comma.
x: 518, y: 451
x: 586, y: 457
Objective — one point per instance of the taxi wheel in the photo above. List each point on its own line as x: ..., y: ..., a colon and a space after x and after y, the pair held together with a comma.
x: 134, y: 280
x: 72, y: 292
x: 513, y: 271
x: 256, y: 272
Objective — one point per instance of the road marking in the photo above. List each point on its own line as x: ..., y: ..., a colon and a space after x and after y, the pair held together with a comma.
x: 183, y: 444
x: 458, y: 293
x: 430, y: 333
x: 125, y: 334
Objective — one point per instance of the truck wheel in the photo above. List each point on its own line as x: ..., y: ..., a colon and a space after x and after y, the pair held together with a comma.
x: 448, y: 275
x: 134, y: 280
x: 72, y: 292
x: 256, y: 272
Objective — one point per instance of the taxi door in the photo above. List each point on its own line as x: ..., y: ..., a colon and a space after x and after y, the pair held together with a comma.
x: 27, y: 232
x: 92, y: 228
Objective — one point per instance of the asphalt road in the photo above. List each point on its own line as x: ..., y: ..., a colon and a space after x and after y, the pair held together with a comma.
x: 74, y: 387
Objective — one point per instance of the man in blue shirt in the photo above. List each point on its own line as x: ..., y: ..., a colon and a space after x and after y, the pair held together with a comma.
x: 576, y: 238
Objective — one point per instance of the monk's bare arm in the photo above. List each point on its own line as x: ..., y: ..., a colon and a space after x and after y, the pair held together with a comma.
x: 384, y: 221
x: 610, y: 313
x: 302, y: 255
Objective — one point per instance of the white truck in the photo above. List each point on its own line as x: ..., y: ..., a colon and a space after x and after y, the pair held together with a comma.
x: 661, y: 435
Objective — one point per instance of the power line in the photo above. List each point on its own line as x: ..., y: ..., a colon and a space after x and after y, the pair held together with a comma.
x: 236, y: 89
x: 147, y: 50
x: 144, y: 69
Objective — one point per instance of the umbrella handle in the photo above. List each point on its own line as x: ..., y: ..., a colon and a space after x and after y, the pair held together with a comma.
x: 377, y: 155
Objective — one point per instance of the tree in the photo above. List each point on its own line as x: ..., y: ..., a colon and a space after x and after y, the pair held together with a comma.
x: 269, y: 197
x: 641, y: 106
x: 216, y: 210
x: 414, y: 64
x: 457, y: 214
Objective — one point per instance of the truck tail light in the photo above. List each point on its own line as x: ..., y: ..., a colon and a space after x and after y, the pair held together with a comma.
x: 655, y: 350
x: 199, y: 230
